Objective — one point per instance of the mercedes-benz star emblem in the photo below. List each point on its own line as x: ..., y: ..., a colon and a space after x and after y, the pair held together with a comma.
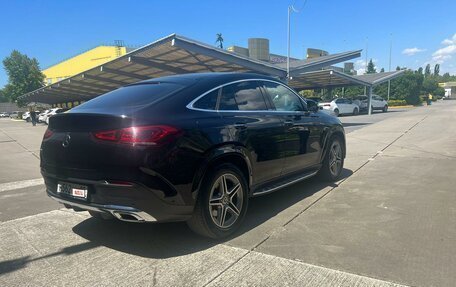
x: 66, y: 140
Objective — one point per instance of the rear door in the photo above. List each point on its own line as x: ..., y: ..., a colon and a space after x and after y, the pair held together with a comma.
x: 342, y: 106
x: 261, y: 131
x: 302, y: 142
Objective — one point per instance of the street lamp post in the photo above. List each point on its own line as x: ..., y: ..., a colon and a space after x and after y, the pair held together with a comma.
x: 389, y: 69
x: 290, y: 9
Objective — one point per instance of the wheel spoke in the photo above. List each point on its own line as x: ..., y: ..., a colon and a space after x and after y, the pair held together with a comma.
x: 215, y: 202
x: 234, y: 209
x: 234, y: 191
x: 223, y: 216
x: 223, y: 185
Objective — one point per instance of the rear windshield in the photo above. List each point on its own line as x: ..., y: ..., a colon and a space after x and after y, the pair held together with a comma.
x: 132, y: 96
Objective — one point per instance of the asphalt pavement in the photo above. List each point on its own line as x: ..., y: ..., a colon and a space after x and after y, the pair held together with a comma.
x: 390, y: 220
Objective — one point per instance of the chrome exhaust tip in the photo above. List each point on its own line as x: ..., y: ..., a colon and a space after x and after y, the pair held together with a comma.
x: 127, y: 216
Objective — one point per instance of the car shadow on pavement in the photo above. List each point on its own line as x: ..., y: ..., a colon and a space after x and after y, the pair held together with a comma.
x: 167, y: 240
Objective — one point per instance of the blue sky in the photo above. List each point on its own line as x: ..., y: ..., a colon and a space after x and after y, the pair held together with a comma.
x: 54, y: 30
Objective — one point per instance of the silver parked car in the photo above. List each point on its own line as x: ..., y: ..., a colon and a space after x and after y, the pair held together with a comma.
x: 377, y: 103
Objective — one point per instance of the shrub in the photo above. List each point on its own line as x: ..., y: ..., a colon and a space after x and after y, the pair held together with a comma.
x: 394, y: 103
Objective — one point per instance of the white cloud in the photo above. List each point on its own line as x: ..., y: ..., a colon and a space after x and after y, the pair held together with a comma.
x: 360, y: 66
x: 444, y: 56
x: 412, y: 51
x: 451, y: 41
x: 445, y: 53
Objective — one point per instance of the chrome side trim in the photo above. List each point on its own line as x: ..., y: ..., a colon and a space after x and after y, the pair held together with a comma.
x: 190, y: 105
x: 116, y: 210
x: 284, y: 185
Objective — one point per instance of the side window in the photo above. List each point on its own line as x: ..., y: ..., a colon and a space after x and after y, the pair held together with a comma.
x: 243, y: 96
x: 208, y: 102
x: 339, y: 101
x: 282, y: 98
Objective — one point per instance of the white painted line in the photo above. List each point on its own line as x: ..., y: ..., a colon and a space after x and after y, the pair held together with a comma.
x: 20, y: 184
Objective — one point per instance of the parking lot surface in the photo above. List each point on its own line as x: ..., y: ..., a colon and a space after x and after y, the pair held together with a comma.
x: 389, y: 221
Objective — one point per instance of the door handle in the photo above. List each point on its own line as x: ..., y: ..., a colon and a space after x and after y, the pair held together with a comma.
x: 240, y: 126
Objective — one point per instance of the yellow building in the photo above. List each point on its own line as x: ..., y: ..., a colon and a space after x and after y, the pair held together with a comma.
x: 84, y: 61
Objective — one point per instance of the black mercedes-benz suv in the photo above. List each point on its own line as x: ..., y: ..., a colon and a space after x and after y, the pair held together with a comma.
x: 191, y: 147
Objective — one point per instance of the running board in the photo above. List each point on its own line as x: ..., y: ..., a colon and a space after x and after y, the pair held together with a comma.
x: 279, y: 186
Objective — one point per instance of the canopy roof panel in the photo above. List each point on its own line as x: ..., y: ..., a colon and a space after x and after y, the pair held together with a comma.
x: 170, y: 55
x: 332, y: 79
x: 313, y: 64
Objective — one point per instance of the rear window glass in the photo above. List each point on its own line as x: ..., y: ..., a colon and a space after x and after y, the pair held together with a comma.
x: 131, y: 96
x: 208, y: 102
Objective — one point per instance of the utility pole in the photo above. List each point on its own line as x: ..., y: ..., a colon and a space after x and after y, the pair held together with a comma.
x: 365, y: 71
x: 389, y: 69
x: 290, y: 9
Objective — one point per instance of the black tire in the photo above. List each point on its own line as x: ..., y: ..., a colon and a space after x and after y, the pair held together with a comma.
x: 385, y: 109
x: 205, y: 216
x: 101, y: 215
x: 326, y: 173
x: 355, y: 111
x: 336, y: 112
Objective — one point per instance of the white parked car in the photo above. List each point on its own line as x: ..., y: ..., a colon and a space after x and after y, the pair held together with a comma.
x: 42, y: 116
x: 4, y: 115
x: 311, y: 103
x: 53, y: 112
x: 26, y: 116
x: 377, y: 103
x: 340, y: 106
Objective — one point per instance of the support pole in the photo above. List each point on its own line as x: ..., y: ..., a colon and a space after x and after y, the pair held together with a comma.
x: 369, y: 101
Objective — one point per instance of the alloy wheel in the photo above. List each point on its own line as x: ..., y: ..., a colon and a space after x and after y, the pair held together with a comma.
x: 335, y: 158
x: 225, y: 200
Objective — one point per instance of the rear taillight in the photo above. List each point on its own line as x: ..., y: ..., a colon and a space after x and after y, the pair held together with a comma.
x: 145, y: 135
x: 47, y: 134
x: 326, y: 105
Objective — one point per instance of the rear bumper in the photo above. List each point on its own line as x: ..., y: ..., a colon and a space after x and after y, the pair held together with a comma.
x: 124, y: 213
x: 138, y: 203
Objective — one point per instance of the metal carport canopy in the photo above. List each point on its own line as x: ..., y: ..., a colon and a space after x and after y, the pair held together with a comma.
x: 332, y: 79
x: 170, y: 55
x: 167, y: 56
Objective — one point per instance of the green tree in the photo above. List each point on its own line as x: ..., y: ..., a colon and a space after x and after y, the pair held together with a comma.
x: 219, y: 40
x: 382, y: 70
x: 398, y: 68
x: 407, y: 87
x: 24, y: 75
x: 436, y: 69
x: 420, y: 70
x: 3, y: 98
x: 371, y: 68
x: 427, y: 70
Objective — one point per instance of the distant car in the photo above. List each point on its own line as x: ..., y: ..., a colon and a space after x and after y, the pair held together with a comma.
x: 42, y: 116
x: 377, y: 103
x: 26, y: 116
x: 54, y: 112
x: 4, y: 115
x: 340, y: 106
x: 312, y: 103
x: 14, y: 114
